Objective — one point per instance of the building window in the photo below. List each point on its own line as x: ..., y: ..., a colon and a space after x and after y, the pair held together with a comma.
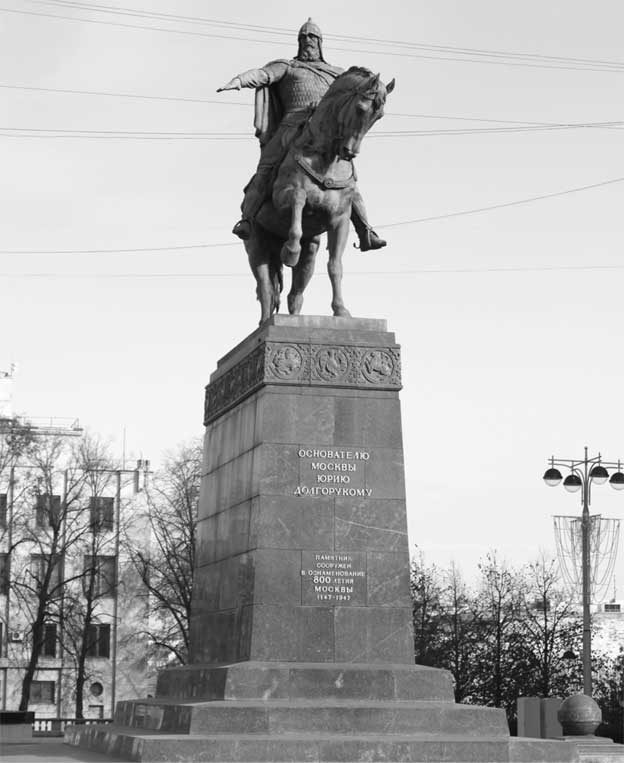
x: 42, y: 692
x: 3, y: 509
x: 48, y: 646
x: 40, y: 564
x: 103, y: 571
x: 4, y: 574
x: 98, y: 640
x: 102, y: 510
x: 96, y: 689
x: 48, y: 510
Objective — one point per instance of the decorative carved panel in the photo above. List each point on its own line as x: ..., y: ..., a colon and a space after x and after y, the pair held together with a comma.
x: 303, y: 364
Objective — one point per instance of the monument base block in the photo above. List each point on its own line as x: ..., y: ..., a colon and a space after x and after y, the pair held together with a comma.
x: 310, y: 712
x: 301, y: 637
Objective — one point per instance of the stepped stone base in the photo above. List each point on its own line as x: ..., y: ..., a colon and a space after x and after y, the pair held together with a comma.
x: 593, y: 749
x: 291, y: 713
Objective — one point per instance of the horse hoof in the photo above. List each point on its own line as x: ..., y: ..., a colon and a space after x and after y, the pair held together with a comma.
x: 289, y: 257
x: 341, y: 312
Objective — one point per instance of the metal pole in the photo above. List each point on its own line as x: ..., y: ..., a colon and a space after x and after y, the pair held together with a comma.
x: 585, y: 561
x: 115, y: 597
x: 61, y: 634
x: 7, y: 613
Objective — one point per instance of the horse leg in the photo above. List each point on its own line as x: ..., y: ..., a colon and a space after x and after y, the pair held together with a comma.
x: 301, y: 275
x: 336, y: 242
x: 264, y: 288
x: 291, y: 248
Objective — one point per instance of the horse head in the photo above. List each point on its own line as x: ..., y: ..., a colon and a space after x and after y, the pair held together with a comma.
x: 359, y: 109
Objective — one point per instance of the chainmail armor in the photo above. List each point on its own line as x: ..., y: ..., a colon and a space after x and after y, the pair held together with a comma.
x: 299, y: 89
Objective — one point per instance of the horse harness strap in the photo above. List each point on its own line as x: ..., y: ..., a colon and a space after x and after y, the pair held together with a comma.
x: 326, y: 182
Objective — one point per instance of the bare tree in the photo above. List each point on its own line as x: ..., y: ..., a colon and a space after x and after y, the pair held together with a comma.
x: 551, y: 628
x: 498, y: 608
x: 461, y: 633
x: 52, y: 486
x: 83, y: 634
x: 166, y: 567
x: 426, y: 590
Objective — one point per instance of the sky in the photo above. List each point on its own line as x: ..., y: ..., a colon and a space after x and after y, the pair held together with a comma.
x: 509, y: 318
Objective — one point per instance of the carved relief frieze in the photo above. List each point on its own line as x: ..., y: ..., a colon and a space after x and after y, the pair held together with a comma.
x: 287, y: 362
x: 304, y: 364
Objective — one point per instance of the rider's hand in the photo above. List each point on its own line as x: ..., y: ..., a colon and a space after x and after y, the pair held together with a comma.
x: 233, y: 84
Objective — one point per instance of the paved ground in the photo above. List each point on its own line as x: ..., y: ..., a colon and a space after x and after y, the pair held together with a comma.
x: 47, y: 750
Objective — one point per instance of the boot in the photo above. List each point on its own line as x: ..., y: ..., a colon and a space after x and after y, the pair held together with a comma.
x: 369, y: 240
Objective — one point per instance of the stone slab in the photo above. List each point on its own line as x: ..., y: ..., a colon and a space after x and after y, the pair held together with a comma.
x: 369, y: 748
x: 271, y: 680
x: 305, y: 716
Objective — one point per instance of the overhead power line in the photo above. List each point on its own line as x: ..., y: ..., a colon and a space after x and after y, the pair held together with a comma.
x: 494, y: 59
x: 367, y: 273
x: 255, y: 28
x: 52, y: 132
x: 247, y: 104
x: 432, y: 218
x: 137, y: 96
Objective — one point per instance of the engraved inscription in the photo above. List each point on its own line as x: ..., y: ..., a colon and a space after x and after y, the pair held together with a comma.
x: 332, y: 578
x: 333, y: 472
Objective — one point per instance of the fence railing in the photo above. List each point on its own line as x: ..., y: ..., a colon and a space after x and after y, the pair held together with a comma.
x: 55, y: 727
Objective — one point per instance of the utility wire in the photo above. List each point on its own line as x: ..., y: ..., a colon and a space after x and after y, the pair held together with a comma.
x: 117, y: 10
x: 400, y: 273
x: 444, y: 216
x: 50, y: 132
x: 247, y: 104
x: 510, y: 62
x: 504, y: 205
x: 138, y: 96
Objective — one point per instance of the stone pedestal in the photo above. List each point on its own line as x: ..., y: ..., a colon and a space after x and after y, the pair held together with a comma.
x: 301, y: 633
x: 303, y: 552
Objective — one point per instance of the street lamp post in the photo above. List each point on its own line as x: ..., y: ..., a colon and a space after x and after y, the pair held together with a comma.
x: 582, y: 474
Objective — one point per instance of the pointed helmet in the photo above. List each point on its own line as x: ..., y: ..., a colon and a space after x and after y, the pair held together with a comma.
x: 311, y: 28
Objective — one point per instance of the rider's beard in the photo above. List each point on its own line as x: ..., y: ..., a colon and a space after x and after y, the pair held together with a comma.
x: 309, y: 52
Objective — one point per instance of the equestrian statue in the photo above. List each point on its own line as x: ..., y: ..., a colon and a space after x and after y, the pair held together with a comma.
x: 310, y: 118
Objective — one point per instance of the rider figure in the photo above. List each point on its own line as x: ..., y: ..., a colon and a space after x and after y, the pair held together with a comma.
x: 286, y: 91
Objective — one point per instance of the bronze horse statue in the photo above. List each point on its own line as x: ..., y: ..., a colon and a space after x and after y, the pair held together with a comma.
x: 312, y: 193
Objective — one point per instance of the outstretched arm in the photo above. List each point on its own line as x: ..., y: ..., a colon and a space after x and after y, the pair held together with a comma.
x: 255, y: 78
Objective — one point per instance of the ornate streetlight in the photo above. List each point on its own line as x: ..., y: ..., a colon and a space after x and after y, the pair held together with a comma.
x: 584, y: 473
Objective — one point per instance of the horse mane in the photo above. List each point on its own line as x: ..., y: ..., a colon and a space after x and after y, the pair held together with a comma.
x: 355, y: 79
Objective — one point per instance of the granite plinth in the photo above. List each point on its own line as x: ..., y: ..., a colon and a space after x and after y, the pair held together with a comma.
x: 302, y: 537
